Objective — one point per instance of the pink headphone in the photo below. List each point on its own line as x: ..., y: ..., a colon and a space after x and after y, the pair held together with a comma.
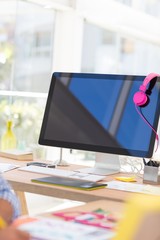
x: 140, y: 98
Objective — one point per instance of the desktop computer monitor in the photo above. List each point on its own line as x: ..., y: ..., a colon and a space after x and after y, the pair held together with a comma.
x: 96, y: 112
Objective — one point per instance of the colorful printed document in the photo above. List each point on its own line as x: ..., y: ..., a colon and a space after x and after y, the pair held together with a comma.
x: 53, y: 229
x: 98, y: 218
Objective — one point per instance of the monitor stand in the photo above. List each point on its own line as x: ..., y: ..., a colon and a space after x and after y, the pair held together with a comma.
x: 106, y: 164
x: 62, y: 162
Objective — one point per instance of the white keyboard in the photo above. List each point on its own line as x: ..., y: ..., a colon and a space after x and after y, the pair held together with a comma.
x: 63, y: 173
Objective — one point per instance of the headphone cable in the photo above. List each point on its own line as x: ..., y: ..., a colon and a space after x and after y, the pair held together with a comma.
x: 157, y: 138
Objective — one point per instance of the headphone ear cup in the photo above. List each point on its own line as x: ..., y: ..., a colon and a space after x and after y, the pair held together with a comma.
x: 140, y: 98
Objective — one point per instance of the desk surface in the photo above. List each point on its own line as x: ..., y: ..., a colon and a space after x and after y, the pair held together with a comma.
x: 21, y: 181
x: 66, y: 231
x: 106, y: 205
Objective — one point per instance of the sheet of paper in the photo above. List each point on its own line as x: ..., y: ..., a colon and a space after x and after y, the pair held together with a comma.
x: 132, y: 187
x: 4, y: 167
x: 53, y: 229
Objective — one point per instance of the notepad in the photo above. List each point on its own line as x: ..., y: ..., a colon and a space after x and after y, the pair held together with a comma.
x: 67, y: 182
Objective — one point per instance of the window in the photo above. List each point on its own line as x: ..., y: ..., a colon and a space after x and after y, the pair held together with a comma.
x: 107, y: 51
x: 26, y: 53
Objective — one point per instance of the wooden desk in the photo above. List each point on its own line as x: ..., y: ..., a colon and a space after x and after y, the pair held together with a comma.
x: 21, y: 182
x: 106, y: 205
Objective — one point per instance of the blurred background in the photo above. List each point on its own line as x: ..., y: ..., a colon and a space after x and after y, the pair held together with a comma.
x: 40, y: 37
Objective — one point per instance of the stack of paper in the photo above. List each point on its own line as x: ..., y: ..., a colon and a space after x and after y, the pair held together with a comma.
x: 17, y: 154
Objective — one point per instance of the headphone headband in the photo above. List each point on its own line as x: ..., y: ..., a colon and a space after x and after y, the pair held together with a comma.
x: 147, y: 79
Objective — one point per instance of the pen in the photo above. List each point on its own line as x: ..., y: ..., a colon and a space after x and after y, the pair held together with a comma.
x: 144, y: 161
x: 147, y: 163
x: 3, y: 223
x: 151, y: 163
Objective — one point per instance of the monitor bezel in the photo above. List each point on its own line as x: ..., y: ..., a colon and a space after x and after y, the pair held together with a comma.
x: 88, y: 147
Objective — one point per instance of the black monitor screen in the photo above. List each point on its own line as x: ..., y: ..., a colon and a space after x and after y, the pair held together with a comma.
x: 96, y: 112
